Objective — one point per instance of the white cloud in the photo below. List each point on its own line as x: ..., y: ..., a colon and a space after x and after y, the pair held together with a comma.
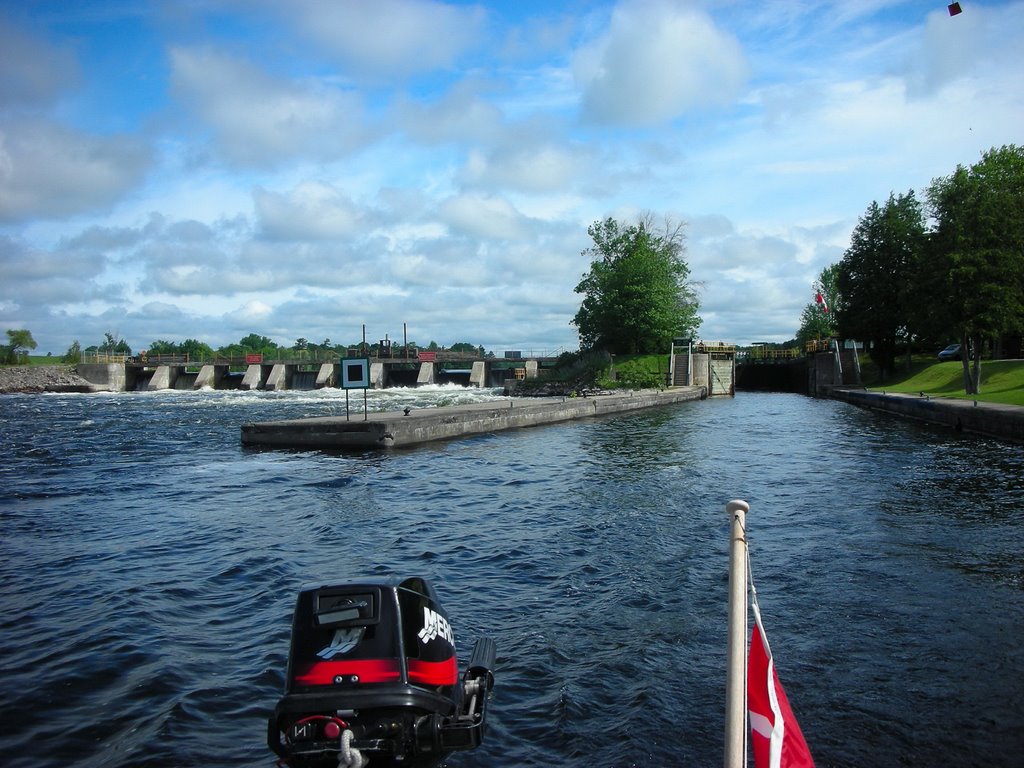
x: 32, y: 72
x: 657, y: 61
x: 491, y: 218
x: 981, y: 43
x: 389, y: 37
x: 311, y: 211
x: 47, y: 170
x: 252, y: 313
x: 258, y: 119
x: 529, y: 168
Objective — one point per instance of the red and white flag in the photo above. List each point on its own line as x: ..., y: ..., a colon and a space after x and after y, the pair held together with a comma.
x: 821, y: 300
x: 775, y: 737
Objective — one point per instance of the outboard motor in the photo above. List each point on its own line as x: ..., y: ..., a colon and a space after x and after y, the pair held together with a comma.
x: 373, y: 680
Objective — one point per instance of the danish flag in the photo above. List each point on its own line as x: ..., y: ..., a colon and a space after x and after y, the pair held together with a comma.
x: 776, y: 739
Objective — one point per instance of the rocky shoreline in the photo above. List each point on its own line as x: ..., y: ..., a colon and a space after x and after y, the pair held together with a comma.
x: 33, y: 379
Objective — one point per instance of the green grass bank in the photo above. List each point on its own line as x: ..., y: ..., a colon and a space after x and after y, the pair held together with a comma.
x: 1002, y: 381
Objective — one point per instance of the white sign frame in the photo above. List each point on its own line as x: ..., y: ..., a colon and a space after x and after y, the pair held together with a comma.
x: 355, y: 373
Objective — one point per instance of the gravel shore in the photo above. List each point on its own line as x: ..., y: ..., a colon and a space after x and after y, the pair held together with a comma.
x: 42, y: 378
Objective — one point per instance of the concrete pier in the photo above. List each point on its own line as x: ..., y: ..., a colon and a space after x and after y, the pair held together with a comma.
x: 395, y: 429
x: 1005, y: 422
x: 210, y: 376
x: 164, y: 378
x: 427, y: 374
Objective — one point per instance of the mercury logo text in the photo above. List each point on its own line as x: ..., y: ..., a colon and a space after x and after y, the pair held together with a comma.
x: 434, y: 625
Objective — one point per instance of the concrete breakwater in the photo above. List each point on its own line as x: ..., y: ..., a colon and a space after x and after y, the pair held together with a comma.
x: 1005, y: 422
x: 399, y: 429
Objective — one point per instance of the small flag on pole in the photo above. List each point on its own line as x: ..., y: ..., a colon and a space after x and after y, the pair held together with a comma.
x: 821, y: 300
x: 776, y: 738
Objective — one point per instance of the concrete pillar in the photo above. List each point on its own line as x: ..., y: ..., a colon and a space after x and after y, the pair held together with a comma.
x: 377, y: 375
x: 480, y: 373
x: 426, y: 374
x: 253, y: 378
x: 532, y: 369
x: 701, y: 368
x: 328, y: 376
x: 163, y: 378
x: 278, y: 378
x: 210, y: 376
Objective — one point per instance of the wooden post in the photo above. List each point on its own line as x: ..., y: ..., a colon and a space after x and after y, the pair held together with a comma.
x: 736, y: 677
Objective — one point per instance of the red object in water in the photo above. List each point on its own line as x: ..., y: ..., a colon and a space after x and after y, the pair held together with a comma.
x: 954, y: 9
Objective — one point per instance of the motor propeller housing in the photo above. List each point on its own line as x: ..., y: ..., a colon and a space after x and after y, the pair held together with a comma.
x: 373, y: 678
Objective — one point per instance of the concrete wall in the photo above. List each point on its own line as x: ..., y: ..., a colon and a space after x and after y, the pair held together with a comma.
x: 164, y: 378
x: 278, y: 378
x: 396, y: 429
x: 1005, y: 422
x: 822, y: 374
x: 480, y: 375
x: 701, y: 368
x: 378, y: 376
x: 426, y: 374
x: 106, y: 377
x: 210, y: 376
x: 253, y: 378
x: 328, y: 376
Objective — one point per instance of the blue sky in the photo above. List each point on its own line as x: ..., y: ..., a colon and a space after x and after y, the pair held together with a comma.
x: 213, y: 168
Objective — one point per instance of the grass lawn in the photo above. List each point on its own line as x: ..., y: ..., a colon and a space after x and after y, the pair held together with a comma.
x: 1002, y: 381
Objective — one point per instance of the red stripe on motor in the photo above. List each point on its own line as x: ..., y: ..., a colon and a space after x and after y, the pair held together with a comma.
x: 368, y: 671
x: 434, y: 672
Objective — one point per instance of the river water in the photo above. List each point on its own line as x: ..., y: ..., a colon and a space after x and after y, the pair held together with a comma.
x: 149, y: 565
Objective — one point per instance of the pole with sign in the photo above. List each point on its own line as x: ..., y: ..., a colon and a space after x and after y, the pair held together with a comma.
x: 355, y: 374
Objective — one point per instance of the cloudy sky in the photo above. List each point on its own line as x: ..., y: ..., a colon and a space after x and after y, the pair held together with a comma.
x: 213, y: 168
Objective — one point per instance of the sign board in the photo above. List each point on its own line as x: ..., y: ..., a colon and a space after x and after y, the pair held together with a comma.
x: 252, y: 359
x: 355, y: 373
x: 427, y: 357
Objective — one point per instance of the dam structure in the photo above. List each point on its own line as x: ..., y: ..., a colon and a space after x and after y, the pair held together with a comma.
x: 156, y: 373
x: 400, y: 429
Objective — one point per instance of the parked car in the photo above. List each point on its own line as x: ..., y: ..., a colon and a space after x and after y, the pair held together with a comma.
x: 952, y: 352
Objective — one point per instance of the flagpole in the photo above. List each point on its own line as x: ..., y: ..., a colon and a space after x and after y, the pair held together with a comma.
x: 736, y: 678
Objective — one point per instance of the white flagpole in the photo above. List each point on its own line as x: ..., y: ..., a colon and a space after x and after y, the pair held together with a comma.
x: 736, y: 674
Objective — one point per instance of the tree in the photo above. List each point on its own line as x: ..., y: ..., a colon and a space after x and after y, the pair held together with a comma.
x: 256, y: 343
x: 875, y: 277
x: 817, y: 321
x: 977, y: 244
x: 636, y: 297
x: 161, y: 347
x: 112, y: 345
x: 196, y: 350
x: 19, y: 343
x: 466, y: 348
x: 74, y: 354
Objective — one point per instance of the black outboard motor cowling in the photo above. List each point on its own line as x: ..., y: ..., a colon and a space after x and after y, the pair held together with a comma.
x: 373, y: 676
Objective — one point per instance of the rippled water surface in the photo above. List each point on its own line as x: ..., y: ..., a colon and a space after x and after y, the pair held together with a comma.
x: 149, y: 566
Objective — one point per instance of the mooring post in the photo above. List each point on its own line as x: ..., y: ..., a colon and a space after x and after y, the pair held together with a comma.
x: 736, y: 677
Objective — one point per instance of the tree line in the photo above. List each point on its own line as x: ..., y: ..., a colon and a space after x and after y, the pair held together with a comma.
x: 920, y: 274
x: 21, y: 342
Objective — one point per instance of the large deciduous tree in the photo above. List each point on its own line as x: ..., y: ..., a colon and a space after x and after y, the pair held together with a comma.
x: 977, y: 248
x: 20, y: 341
x: 876, y: 277
x: 636, y: 296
